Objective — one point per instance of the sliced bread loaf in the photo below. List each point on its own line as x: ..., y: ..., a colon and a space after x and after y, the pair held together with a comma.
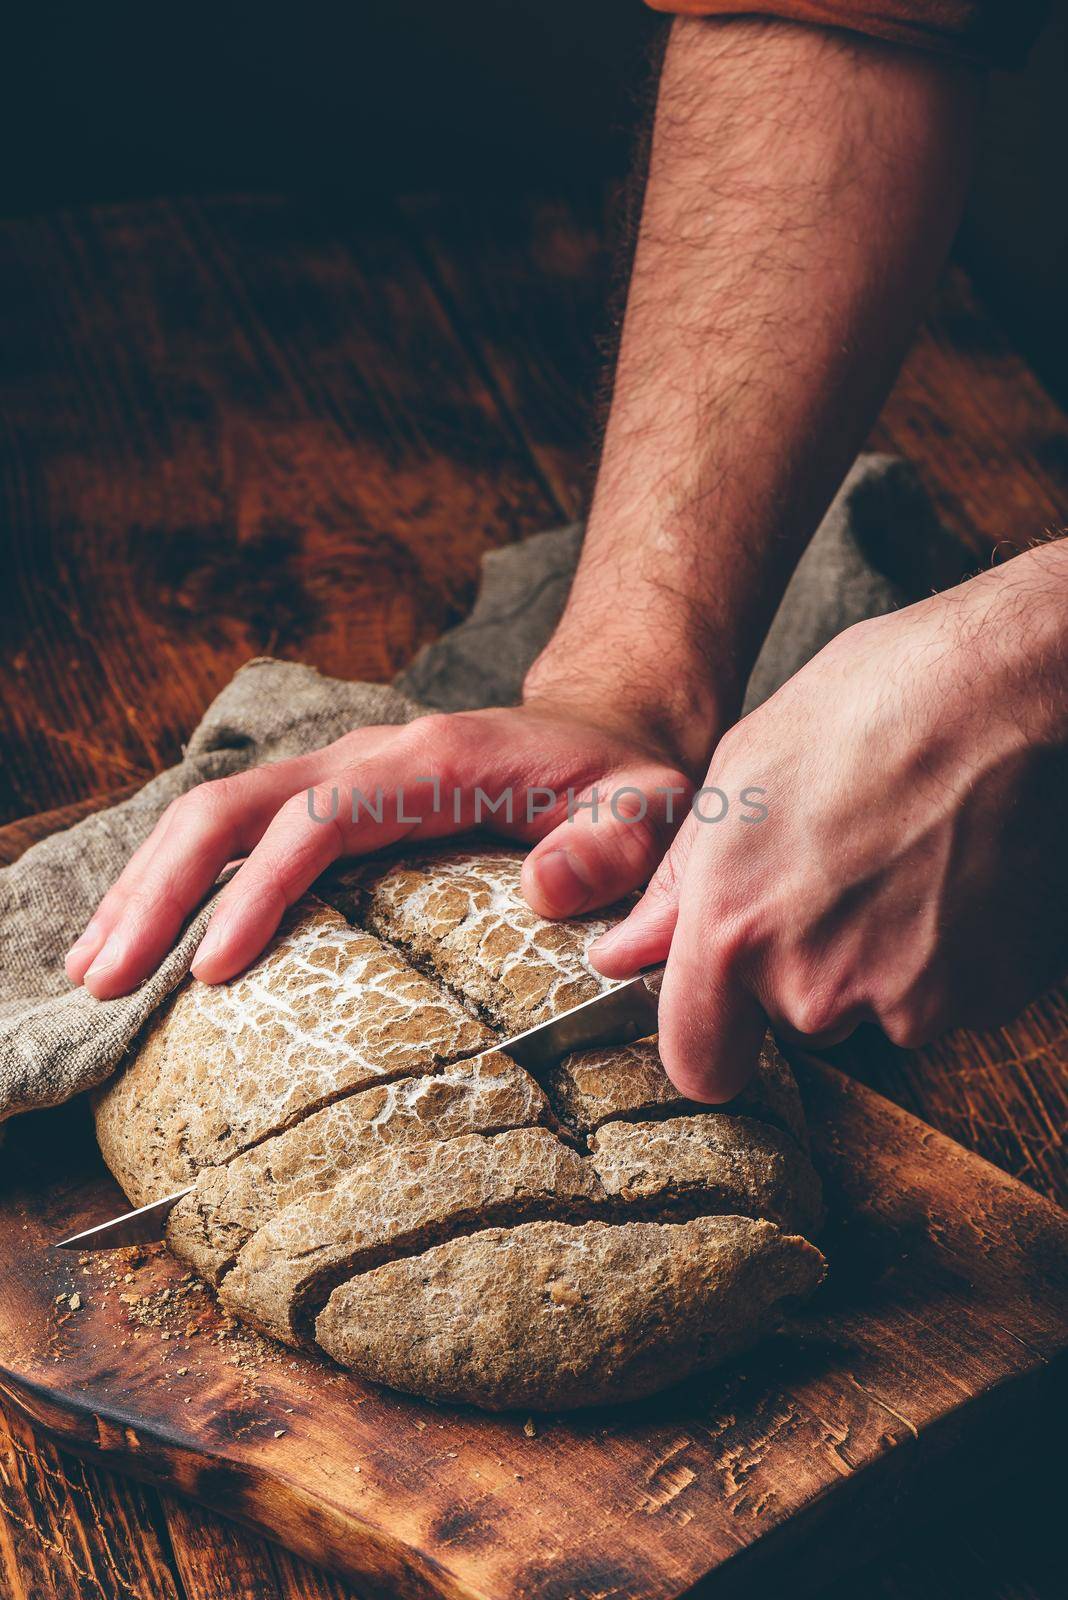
x: 372, y: 1174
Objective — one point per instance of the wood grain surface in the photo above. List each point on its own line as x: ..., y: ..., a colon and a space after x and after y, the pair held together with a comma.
x: 207, y: 406
x: 931, y: 1358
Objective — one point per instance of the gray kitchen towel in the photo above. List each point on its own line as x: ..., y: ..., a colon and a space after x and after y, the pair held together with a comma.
x: 56, y: 1041
x: 879, y: 546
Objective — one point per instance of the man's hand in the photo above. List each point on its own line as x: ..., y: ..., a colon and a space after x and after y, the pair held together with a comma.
x: 266, y: 815
x: 913, y: 868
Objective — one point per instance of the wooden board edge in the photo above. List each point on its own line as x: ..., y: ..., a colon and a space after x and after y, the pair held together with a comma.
x: 275, y: 1508
x: 992, y: 1434
x: 813, y: 1071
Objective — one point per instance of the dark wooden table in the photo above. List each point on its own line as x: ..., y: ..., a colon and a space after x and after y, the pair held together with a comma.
x: 236, y: 427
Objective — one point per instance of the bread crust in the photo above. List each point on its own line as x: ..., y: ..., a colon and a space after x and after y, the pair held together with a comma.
x: 712, y: 1162
x: 461, y: 916
x: 551, y: 1316
x: 399, y: 1203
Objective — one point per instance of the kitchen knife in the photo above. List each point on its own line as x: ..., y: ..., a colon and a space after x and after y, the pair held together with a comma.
x: 618, y: 1016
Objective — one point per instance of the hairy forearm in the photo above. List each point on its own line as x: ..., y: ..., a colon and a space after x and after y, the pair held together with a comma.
x: 803, y: 190
x: 1011, y: 622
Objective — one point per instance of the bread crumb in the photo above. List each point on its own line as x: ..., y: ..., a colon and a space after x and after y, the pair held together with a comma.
x: 530, y: 1428
x: 278, y: 1432
x: 75, y: 1302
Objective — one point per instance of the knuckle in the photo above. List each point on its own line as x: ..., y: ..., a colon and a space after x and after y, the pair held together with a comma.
x: 918, y: 1010
x: 437, y: 732
x: 149, y: 902
x: 728, y: 749
x: 735, y: 941
x: 450, y: 745
x: 209, y: 803
x: 812, y: 1009
x: 434, y: 741
x: 902, y: 1029
x: 666, y: 880
x: 907, y: 1027
x: 355, y: 742
x: 320, y: 802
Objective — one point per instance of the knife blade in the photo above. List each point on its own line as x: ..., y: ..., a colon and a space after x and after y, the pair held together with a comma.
x: 626, y: 1012
x: 142, y: 1226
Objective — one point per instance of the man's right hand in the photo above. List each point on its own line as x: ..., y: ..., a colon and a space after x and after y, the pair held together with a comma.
x: 265, y: 815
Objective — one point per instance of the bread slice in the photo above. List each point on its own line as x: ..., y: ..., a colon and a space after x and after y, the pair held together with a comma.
x: 592, y: 1087
x: 488, y: 1094
x: 399, y: 1203
x: 713, y: 1163
x: 328, y: 1009
x: 460, y: 916
x: 550, y: 1315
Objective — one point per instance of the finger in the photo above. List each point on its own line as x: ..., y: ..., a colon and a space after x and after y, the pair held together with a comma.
x: 208, y: 827
x: 219, y: 821
x: 307, y: 835
x: 86, y: 947
x: 710, y: 1026
x: 644, y: 937
x: 619, y: 831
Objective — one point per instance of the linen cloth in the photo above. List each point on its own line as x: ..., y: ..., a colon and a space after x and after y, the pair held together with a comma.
x: 56, y: 1041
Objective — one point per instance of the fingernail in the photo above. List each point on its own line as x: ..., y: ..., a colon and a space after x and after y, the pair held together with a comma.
x: 564, y: 882
x: 108, y: 957
x: 92, y: 931
x: 209, y: 946
x: 607, y: 941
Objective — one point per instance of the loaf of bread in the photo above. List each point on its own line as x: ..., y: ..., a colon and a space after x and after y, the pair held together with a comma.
x: 372, y: 1177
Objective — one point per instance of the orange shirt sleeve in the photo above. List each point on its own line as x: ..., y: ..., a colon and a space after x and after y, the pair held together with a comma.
x: 995, y: 33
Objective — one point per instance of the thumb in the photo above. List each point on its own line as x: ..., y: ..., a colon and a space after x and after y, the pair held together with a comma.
x: 710, y: 1026
x: 618, y: 830
x: 645, y: 936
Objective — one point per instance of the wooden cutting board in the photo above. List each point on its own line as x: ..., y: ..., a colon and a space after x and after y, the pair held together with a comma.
x: 926, y: 1364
